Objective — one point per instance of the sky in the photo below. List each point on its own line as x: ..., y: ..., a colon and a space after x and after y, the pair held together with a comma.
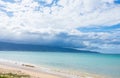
x: 81, y: 24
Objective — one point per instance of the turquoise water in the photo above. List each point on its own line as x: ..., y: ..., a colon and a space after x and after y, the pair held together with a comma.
x: 102, y: 64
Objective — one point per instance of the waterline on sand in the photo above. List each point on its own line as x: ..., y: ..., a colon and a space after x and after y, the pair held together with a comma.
x: 9, y: 64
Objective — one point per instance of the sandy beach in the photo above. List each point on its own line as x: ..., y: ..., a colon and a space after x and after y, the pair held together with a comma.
x: 39, y: 72
x: 26, y: 70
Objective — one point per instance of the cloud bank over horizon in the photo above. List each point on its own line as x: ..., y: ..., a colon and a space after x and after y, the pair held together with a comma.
x: 82, y: 24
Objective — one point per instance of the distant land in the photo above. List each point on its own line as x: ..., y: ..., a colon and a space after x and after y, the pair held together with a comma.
x: 6, y: 46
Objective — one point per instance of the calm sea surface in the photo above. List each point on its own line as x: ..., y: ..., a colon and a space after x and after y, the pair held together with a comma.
x: 102, y: 64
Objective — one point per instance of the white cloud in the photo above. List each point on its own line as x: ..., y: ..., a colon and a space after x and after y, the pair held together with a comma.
x: 34, y: 21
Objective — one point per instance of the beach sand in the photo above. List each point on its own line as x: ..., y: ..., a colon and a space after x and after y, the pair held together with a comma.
x: 33, y: 74
x: 36, y: 72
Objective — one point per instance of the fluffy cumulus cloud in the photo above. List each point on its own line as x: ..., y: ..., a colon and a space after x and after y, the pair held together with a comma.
x: 61, y: 23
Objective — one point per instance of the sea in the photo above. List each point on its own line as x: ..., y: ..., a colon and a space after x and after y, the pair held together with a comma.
x: 94, y: 63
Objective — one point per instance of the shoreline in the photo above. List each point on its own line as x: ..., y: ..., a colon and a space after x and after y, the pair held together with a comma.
x: 41, y: 72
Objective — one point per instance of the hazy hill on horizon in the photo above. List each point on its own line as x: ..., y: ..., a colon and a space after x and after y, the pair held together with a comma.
x: 6, y: 46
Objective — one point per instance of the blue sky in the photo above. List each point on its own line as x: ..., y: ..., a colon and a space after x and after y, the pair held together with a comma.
x: 81, y: 24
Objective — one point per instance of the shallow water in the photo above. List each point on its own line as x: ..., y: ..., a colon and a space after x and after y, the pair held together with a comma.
x: 101, y: 64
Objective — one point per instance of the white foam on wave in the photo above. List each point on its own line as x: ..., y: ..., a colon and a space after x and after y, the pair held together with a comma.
x: 15, y: 62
